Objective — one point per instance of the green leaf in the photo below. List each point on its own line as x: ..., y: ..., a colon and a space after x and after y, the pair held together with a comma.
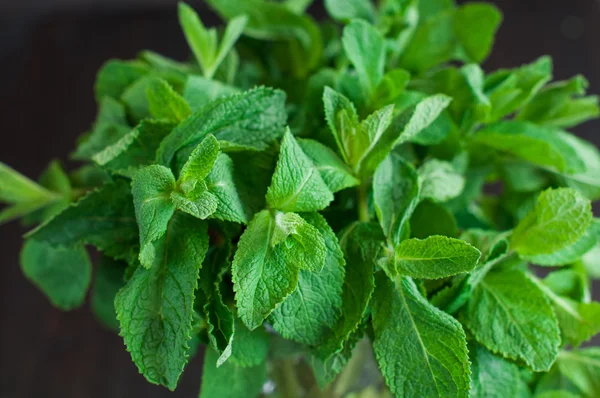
x: 232, y: 33
x: 561, y: 104
x: 312, y: 310
x: 413, y: 122
x: 421, y: 351
x: 296, y: 184
x: 494, y: 377
x: 365, y: 48
x: 475, y: 25
x: 508, y: 314
x: 220, y: 182
x: 251, y: 120
x: 582, y: 367
x: 435, y: 257
x: 250, y: 348
x: 104, y: 218
x: 199, y: 91
x: 266, y: 264
x: 165, y: 103
x: 341, y: 117
x: 361, y: 244
x: 334, y: 172
x: 155, y: 308
x: 578, y: 321
x: 439, y: 181
x: 135, y: 149
x: 109, y: 279
x: 115, y: 76
x: 395, y: 195
x: 62, y: 274
x: 560, y: 217
x: 198, y: 166
x: 111, y: 125
x: 430, y: 218
x: 151, y: 188
x: 347, y: 10
x: 571, y: 253
x: 230, y: 380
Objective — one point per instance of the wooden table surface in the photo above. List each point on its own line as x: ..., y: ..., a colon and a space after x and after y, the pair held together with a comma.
x: 48, y: 62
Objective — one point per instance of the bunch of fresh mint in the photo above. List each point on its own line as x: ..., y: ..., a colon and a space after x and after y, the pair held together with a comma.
x: 300, y: 196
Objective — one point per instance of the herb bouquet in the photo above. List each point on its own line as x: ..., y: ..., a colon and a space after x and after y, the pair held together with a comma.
x: 310, y: 202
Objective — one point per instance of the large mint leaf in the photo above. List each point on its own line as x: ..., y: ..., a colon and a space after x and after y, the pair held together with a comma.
x: 155, y: 308
x: 361, y: 244
x: 395, y: 195
x: 494, y: 377
x: 251, y: 120
x: 311, y: 311
x: 266, y: 264
x: 365, y: 47
x: 435, y: 257
x: 63, y: 274
x: 104, y: 218
x: 296, y: 184
x: 221, y: 183
x: 508, y: 314
x: 134, y: 150
x: 230, y: 380
x: 421, y: 350
x: 165, y: 103
x: 151, y: 188
x: 334, y: 172
x: 560, y: 217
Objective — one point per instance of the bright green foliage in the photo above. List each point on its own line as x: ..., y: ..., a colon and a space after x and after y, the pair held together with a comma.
x: 63, y: 274
x: 435, y: 257
x: 421, y: 351
x: 313, y: 199
x: 509, y: 315
x: 155, y: 307
x: 560, y: 217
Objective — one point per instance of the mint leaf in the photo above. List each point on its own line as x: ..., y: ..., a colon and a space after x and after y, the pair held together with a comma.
x: 109, y: 279
x: 151, y: 188
x: 439, y: 181
x: 341, y: 117
x: 508, y: 314
x: 415, y: 120
x: 198, y: 165
x: 334, y: 172
x: 578, y: 321
x: 116, y: 75
x: 155, y: 307
x: 251, y: 120
x: 220, y: 182
x: 365, y: 48
x: 395, y: 195
x: 560, y: 217
x: 296, y: 184
x: 435, y: 257
x: 63, y: 274
x: 581, y: 367
x: 230, y: 380
x: 135, y: 149
x: 420, y: 349
x: 250, y: 348
x: 165, y: 103
x: 431, y: 218
x: 104, y: 218
x: 475, y: 26
x: 361, y: 244
x: 199, y: 91
x: 347, y: 10
x: 266, y: 264
x: 493, y: 376
x: 311, y: 311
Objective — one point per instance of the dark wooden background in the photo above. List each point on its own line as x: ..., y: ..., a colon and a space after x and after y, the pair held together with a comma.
x: 49, y: 53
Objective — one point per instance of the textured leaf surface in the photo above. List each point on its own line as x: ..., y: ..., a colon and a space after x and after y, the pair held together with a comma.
x: 494, y: 377
x: 116, y: 75
x: 439, y: 181
x: 250, y: 348
x: 310, y: 312
x: 560, y: 217
x: 582, y: 368
x: 165, y: 103
x: 421, y: 350
x: 155, y: 307
x: 395, y: 194
x: 230, y: 380
x: 435, y: 257
x: 151, y: 188
x: 508, y: 314
x: 296, y: 184
x: 63, y: 274
x: 220, y: 182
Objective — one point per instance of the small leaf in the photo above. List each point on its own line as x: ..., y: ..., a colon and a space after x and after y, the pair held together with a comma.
x: 199, y: 91
x: 198, y: 166
x: 165, y: 103
x: 296, y: 184
x: 63, y: 274
x: 439, y: 181
x: 116, y: 75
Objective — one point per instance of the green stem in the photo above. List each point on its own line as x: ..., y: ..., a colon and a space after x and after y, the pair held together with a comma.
x: 363, y: 202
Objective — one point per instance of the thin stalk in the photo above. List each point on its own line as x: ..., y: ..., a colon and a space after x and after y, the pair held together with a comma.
x: 363, y: 202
